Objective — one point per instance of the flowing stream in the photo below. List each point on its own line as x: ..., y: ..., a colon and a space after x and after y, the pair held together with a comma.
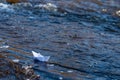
x: 81, y: 36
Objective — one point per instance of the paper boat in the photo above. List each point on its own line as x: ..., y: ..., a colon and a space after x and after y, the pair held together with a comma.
x: 40, y: 57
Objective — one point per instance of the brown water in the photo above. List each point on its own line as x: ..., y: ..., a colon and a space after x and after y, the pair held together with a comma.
x: 82, y: 38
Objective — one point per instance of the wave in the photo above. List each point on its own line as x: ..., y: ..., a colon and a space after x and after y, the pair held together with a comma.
x: 72, y: 6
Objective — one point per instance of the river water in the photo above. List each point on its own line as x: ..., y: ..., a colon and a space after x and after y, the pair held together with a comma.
x: 82, y: 37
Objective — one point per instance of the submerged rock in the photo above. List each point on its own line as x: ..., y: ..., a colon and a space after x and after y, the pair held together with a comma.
x: 12, y: 70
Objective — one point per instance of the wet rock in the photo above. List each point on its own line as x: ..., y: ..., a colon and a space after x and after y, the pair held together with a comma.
x: 21, y: 1
x: 10, y: 68
x: 13, y: 1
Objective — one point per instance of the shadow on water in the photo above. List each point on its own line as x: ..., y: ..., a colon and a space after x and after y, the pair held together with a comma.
x: 82, y: 37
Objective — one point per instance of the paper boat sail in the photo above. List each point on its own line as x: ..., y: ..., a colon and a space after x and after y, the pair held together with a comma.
x: 40, y: 57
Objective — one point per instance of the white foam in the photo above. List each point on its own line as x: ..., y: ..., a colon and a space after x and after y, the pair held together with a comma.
x: 6, y: 7
x: 48, y: 6
x: 4, y: 46
x: 16, y: 60
x: 118, y: 12
x: 25, y: 4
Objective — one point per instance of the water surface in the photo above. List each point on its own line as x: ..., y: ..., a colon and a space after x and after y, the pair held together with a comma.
x: 82, y: 37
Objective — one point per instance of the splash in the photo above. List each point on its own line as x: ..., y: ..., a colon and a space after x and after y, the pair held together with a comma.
x: 118, y: 13
x: 6, y: 7
x: 48, y: 6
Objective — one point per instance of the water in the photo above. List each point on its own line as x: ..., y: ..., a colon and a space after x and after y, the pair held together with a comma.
x: 82, y: 36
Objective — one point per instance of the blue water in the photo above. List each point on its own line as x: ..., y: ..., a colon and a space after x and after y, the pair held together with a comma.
x: 82, y: 36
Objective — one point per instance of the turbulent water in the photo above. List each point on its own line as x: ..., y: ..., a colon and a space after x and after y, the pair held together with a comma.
x: 81, y: 36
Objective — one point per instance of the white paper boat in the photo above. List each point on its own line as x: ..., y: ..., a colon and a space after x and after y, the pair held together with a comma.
x: 40, y: 57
